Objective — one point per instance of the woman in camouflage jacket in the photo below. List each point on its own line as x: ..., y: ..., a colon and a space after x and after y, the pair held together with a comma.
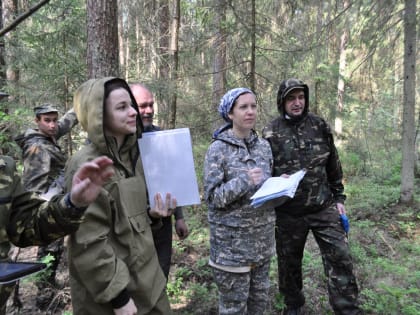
x: 241, y: 237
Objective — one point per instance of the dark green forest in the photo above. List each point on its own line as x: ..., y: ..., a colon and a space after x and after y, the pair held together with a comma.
x: 358, y: 57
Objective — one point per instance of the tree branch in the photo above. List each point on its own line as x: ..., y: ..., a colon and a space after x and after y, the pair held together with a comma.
x: 22, y: 17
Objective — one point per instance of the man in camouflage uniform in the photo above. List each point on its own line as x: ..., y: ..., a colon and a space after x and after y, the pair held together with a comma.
x: 43, y: 162
x: 27, y: 220
x: 302, y: 140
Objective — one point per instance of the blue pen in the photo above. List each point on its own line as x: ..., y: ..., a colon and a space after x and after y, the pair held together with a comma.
x: 345, y: 223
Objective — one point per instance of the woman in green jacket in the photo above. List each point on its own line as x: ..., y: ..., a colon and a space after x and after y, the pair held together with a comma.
x: 113, y: 265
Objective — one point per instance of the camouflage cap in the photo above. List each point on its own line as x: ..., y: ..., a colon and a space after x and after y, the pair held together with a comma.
x: 44, y: 109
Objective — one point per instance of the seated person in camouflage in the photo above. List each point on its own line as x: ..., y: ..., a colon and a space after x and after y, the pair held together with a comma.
x: 27, y: 220
x: 43, y: 167
x: 241, y: 237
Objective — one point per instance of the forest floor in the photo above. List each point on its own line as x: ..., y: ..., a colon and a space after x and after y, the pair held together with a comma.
x: 192, y: 291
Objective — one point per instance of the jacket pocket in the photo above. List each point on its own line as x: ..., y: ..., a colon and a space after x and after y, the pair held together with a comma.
x: 142, y: 246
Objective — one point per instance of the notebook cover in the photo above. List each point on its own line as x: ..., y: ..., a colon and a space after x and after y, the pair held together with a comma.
x: 12, y: 271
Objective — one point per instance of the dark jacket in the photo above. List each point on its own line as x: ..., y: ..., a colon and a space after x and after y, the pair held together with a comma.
x: 307, y: 143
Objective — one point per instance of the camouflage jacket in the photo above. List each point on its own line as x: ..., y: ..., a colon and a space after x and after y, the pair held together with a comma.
x: 25, y: 219
x: 43, y: 159
x: 307, y: 144
x: 239, y: 233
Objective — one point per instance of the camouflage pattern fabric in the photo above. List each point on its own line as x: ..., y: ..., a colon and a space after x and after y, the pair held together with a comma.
x: 44, y: 162
x: 240, y: 235
x: 6, y: 186
x: 308, y: 143
x: 25, y: 219
x: 42, y: 157
x: 243, y: 293
x: 291, y: 234
x: 228, y: 100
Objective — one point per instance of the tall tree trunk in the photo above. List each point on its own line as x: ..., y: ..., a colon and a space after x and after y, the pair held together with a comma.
x: 126, y: 38
x: 121, y: 40
x: 164, y: 71
x: 409, y: 101
x: 9, y: 15
x: 253, y: 47
x: 174, y: 55
x: 2, y: 53
x: 341, y: 74
x: 102, y: 37
x: 219, y: 60
x: 317, y: 59
x: 138, y: 45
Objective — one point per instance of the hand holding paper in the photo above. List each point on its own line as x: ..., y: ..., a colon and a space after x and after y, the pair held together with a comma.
x: 169, y: 165
x: 276, y: 187
x: 162, y: 209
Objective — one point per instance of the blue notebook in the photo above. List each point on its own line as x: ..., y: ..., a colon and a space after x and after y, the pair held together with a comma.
x: 12, y: 271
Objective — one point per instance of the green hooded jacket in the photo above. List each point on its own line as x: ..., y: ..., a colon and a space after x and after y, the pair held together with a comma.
x: 112, y: 253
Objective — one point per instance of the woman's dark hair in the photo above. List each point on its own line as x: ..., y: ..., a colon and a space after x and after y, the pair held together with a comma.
x: 115, y: 84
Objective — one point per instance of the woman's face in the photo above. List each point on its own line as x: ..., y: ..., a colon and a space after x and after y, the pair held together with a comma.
x: 244, y: 112
x: 120, y: 116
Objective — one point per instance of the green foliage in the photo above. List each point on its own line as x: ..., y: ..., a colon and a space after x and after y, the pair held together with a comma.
x: 51, y: 50
x: 279, y: 304
x: 174, y: 287
x: 50, y: 54
x: 11, y: 123
x: 43, y: 275
x: 391, y: 300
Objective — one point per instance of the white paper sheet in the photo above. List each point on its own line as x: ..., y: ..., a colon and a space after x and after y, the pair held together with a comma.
x: 275, y: 187
x: 169, y: 165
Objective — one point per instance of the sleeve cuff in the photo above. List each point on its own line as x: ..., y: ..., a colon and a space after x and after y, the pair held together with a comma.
x: 178, y: 213
x: 120, y: 300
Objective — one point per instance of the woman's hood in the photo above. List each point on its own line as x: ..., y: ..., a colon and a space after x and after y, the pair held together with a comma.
x: 89, y: 105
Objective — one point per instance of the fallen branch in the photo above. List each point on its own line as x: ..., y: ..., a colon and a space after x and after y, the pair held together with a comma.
x: 390, y: 247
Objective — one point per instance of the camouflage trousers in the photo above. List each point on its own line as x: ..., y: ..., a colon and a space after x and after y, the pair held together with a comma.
x: 243, y: 293
x: 5, y: 291
x: 291, y: 235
